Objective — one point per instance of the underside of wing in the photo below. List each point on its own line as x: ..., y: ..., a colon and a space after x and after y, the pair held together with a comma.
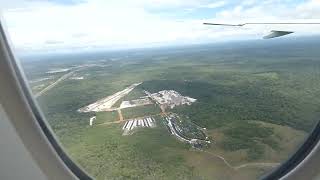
x: 275, y: 34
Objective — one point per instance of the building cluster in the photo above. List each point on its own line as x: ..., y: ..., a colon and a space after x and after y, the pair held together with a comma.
x: 172, y: 128
x: 175, y: 130
x: 136, y: 123
x: 170, y: 98
x: 137, y: 102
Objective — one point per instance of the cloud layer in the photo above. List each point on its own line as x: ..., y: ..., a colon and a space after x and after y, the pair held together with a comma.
x: 64, y: 24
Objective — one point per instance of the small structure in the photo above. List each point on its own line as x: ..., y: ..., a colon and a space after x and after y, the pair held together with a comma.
x: 196, y: 143
x: 91, y: 120
x: 77, y: 78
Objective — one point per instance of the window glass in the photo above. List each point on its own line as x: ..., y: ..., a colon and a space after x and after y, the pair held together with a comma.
x: 144, y: 90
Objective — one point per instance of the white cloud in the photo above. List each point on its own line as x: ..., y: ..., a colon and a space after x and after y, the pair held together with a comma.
x: 99, y: 24
x: 273, y: 11
x: 118, y: 24
x: 215, y: 4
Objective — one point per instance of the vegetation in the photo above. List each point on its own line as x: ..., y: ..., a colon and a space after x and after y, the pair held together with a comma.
x: 140, y: 111
x: 248, y: 135
x: 102, y: 117
x: 258, y: 100
x: 188, y: 129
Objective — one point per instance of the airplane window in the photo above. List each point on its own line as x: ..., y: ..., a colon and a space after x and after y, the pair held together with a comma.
x: 172, y: 89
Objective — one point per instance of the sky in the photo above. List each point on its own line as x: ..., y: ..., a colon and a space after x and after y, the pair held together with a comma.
x: 70, y: 25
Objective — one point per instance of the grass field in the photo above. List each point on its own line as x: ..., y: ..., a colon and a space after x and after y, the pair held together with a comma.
x: 140, y: 111
x: 103, y: 117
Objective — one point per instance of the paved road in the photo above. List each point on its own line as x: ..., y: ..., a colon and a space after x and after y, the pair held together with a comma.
x: 62, y: 78
x: 106, y: 103
x: 54, y: 84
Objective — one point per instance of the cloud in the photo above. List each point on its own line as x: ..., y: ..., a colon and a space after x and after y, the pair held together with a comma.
x: 215, y: 4
x: 53, y: 42
x: 124, y: 23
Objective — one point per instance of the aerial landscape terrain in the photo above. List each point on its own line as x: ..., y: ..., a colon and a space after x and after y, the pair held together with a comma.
x: 232, y: 110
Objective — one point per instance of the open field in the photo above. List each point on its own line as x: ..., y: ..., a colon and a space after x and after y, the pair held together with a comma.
x: 141, y: 111
x: 257, y: 101
x: 103, y: 117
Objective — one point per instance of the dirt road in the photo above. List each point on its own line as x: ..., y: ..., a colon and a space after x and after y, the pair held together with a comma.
x: 120, y: 115
x: 260, y: 164
x: 257, y: 165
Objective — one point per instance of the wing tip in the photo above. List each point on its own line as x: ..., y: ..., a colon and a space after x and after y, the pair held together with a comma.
x: 222, y: 24
x: 275, y: 34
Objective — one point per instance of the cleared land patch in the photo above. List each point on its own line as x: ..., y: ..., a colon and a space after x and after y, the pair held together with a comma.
x: 103, y: 117
x: 141, y: 111
x: 105, y: 104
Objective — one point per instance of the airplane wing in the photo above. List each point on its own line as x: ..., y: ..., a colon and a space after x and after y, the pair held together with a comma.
x: 218, y: 24
x: 273, y: 33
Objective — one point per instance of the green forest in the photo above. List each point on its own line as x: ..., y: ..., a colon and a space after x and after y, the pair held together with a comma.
x: 257, y: 100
